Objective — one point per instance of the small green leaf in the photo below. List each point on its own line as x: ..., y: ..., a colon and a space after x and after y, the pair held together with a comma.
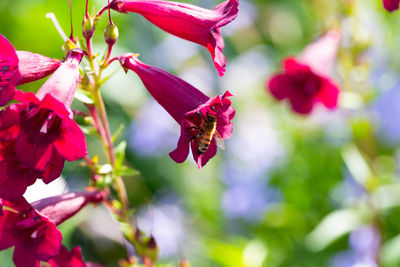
x: 120, y: 154
x: 332, y: 227
x: 118, y: 132
x: 126, y: 171
x: 83, y: 96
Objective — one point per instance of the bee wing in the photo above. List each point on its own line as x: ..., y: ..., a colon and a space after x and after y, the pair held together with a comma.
x: 219, y: 141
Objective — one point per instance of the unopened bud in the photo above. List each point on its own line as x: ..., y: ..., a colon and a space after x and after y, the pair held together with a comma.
x: 111, y: 34
x: 89, y: 26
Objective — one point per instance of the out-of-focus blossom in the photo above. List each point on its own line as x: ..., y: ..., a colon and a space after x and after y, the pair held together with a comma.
x: 152, y: 132
x: 364, y: 246
x: 391, y: 5
x: 38, y: 135
x: 305, y: 81
x: 187, y: 21
x: 33, y: 235
x: 248, y: 200
x: 386, y: 107
x: 188, y: 106
x: 166, y: 223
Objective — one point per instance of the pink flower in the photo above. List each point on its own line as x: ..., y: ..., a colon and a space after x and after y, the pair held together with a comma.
x: 187, y: 21
x: 60, y: 208
x: 19, y: 67
x: 33, y: 235
x: 9, y: 73
x: 189, y: 107
x: 65, y: 258
x: 33, y: 67
x: 306, y: 81
x: 391, y: 5
x: 38, y: 135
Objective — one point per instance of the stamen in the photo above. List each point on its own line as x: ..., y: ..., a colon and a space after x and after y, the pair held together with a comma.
x: 57, y: 25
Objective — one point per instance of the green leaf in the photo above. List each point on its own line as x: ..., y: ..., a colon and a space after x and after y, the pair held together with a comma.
x: 120, y: 154
x: 118, y: 132
x: 126, y: 171
x: 83, y: 96
x: 332, y: 227
x: 390, y: 253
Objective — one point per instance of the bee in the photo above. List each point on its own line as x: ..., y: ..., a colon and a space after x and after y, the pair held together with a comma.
x: 208, y: 130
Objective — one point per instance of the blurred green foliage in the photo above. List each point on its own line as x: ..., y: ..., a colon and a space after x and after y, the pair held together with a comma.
x: 320, y: 198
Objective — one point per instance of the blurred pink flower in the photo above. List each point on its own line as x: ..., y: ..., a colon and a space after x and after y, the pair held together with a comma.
x: 38, y: 135
x: 19, y: 67
x: 305, y: 81
x: 188, y: 106
x: 33, y: 235
x: 187, y: 21
x: 391, y: 5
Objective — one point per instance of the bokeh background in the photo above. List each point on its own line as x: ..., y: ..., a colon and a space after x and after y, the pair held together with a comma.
x: 289, y: 190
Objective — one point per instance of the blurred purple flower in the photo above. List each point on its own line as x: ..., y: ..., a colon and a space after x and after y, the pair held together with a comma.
x: 153, y: 131
x: 248, y: 201
x: 387, y: 108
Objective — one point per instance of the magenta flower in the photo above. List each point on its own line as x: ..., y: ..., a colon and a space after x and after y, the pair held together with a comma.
x: 306, y: 81
x: 65, y: 258
x: 38, y: 135
x: 19, y: 67
x: 33, y: 67
x: 33, y: 235
x: 391, y: 5
x: 60, y: 208
x: 190, y: 108
x: 187, y: 21
x: 9, y: 73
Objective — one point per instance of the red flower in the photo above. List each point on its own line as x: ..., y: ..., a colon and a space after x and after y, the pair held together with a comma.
x: 187, y: 21
x: 19, y: 67
x: 34, y: 67
x: 305, y: 82
x: 38, y: 135
x: 60, y: 208
x: 9, y: 73
x: 72, y: 258
x: 190, y: 108
x: 33, y: 235
x: 391, y: 5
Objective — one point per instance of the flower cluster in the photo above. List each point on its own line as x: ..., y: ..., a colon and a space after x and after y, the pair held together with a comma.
x: 38, y: 132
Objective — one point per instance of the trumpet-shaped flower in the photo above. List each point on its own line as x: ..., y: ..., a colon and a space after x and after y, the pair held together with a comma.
x: 306, y: 81
x: 187, y: 21
x: 391, y: 5
x: 38, y: 134
x: 9, y: 73
x: 33, y: 236
x: 190, y: 108
x: 19, y: 67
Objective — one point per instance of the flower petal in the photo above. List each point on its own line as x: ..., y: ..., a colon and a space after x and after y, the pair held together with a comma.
x: 71, y: 145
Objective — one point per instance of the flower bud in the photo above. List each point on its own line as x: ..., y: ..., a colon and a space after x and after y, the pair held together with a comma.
x: 111, y: 34
x: 89, y: 26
